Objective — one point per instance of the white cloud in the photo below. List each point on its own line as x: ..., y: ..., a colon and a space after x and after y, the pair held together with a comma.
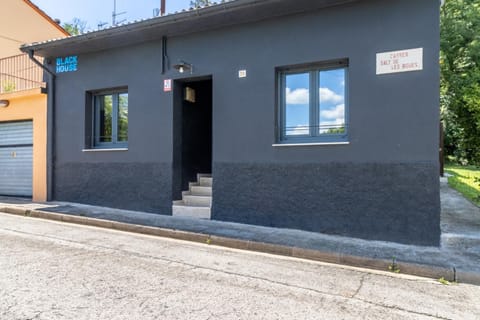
x: 336, y: 118
x: 301, y: 96
x: 298, y: 130
x: 337, y: 113
x: 331, y: 125
x: 336, y: 122
x: 297, y: 96
x: 328, y: 96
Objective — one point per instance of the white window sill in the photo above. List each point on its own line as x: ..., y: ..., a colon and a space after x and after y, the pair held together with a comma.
x: 310, y: 144
x: 105, y: 150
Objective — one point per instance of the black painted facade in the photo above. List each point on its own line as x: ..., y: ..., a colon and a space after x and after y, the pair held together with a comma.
x: 383, y: 185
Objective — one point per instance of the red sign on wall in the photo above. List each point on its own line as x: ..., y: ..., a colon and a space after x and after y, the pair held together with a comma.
x: 167, y: 85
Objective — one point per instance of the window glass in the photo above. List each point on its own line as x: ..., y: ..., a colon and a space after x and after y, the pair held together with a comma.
x: 110, y: 112
x: 331, y: 101
x: 122, y: 131
x: 313, y: 103
x: 105, y: 118
x: 297, y: 101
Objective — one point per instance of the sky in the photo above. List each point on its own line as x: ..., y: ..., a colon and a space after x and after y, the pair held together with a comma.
x: 331, y: 93
x: 95, y: 12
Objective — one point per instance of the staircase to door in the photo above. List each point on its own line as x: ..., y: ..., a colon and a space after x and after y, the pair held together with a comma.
x: 197, y: 201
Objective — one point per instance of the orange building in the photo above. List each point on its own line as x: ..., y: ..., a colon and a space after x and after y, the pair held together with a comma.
x: 23, y: 100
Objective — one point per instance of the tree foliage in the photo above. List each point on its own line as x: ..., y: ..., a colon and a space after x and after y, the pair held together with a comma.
x: 460, y: 78
x: 75, y: 27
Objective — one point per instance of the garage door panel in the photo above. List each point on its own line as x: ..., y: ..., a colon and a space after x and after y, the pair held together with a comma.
x: 16, y: 158
x: 16, y: 133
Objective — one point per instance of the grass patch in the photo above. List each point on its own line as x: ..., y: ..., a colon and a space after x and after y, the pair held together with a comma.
x: 466, y: 180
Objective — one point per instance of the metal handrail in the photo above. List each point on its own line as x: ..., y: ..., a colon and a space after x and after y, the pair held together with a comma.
x: 320, y: 129
x: 18, y: 73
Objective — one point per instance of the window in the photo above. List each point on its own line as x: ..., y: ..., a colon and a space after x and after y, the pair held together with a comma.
x: 110, y: 119
x: 313, y: 106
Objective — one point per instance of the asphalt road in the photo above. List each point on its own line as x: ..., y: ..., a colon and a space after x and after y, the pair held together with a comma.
x: 51, y: 270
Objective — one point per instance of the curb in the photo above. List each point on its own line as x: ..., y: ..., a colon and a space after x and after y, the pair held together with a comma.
x: 427, y: 271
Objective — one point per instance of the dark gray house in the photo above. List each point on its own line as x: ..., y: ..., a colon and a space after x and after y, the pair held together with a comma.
x: 319, y: 115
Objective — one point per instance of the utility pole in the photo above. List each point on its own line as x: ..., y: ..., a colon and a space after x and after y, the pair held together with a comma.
x: 115, y: 14
x: 162, y: 7
x: 159, y: 11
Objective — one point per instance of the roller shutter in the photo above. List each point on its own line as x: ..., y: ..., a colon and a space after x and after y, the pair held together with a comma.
x: 16, y: 158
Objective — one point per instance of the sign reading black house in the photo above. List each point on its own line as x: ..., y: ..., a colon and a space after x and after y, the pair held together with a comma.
x: 66, y: 64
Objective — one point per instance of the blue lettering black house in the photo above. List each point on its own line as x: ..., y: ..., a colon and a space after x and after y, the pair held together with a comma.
x: 287, y: 104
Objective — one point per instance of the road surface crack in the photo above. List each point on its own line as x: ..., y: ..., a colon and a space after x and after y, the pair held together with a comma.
x: 362, y: 280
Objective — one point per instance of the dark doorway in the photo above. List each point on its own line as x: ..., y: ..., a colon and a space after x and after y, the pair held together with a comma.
x: 192, y: 131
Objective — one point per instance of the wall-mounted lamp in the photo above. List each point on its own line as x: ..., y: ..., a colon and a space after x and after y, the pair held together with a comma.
x: 183, y: 66
x: 4, y: 103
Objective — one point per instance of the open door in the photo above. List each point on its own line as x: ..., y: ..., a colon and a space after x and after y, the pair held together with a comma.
x: 192, y: 131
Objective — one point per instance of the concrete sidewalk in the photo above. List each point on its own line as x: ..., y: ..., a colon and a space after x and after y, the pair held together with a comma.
x: 458, y: 257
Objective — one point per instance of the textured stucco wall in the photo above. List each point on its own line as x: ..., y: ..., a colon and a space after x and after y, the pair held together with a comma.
x: 395, y: 202
x: 136, y: 186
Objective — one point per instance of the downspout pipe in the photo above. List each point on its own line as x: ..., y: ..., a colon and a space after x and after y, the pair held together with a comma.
x: 50, y: 123
x: 164, y: 54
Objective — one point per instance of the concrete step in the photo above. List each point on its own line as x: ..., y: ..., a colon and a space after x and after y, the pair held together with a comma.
x: 192, y: 184
x: 179, y: 210
x: 198, y: 201
x: 203, y: 175
x: 205, y: 181
x: 200, y: 190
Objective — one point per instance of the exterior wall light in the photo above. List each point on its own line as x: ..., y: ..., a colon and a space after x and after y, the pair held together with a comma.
x: 183, y: 66
x: 4, y: 103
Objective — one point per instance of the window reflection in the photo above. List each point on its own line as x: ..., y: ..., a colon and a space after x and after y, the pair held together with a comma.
x: 297, y: 111
x: 105, y: 119
x: 331, y: 101
x: 111, y: 119
x: 313, y: 106
x: 122, y: 131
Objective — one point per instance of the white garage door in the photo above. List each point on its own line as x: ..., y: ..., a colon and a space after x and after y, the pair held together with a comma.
x: 16, y: 154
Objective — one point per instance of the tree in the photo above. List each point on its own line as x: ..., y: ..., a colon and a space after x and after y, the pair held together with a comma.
x: 337, y: 130
x: 460, y: 78
x: 200, y: 3
x: 75, y: 27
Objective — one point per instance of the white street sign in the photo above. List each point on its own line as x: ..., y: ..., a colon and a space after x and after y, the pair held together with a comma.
x: 400, y: 61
